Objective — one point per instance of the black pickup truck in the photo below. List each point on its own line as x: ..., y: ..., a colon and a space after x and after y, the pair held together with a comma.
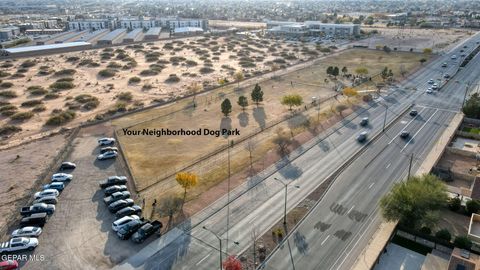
x: 37, y: 208
x: 146, y: 230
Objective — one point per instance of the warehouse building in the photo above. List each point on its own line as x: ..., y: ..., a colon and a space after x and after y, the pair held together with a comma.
x: 45, y: 49
x: 113, y: 37
x: 133, y: 35
x: 153, y: 33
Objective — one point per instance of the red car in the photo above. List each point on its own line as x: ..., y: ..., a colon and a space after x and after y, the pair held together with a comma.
x: 9, y: 265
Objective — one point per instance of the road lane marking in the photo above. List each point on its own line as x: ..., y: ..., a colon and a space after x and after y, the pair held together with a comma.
x: 388, y: 166
x: 323, y: 242
x: 204, y: 258
x: 405, y: 126
x: 351, y: 209
x: 371, y: 185
x: 416, y: 133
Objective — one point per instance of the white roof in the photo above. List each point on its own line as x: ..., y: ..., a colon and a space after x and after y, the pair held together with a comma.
x: 46, y: 47
x: 188, y: 29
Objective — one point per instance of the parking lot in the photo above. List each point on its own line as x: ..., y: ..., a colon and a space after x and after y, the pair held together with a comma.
x: 79, y: 235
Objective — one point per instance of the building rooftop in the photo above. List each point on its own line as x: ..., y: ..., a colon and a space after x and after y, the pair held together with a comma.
x: 153, y: 31
x: 188, y: 29
x: 114, y: 34
x: 134, y: 33
x: 46, y: 47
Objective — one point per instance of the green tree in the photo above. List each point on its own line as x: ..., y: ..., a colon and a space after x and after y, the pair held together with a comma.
x: 257, y: 94
x: 462, y: 242
x: 454, y: 204
x: 369, y: 20
x: 335, y: 72
x: 472, y: 207
x: 361, y: 71
x: 444, y: 234
x: 384, y: 73
x: 238, y: 77
x: 329, y: 70
x: 344, y: 70
x: 415, y: 201
x: 427, y: 51
x: 226, y: 107
x: 292, y: 100
x: 422, y: 60
x: 472, y: 106
x: 243, y: 102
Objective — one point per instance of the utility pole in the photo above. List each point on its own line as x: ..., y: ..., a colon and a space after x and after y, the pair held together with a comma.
x: 220, y: 244
x: 385, y: 118
x: 230, y: 143
x: 410, y: 166
x: 465, y: 96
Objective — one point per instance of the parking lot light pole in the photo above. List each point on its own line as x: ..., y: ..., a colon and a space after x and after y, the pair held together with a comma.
x: 285, y: 205
x: 220, y: 244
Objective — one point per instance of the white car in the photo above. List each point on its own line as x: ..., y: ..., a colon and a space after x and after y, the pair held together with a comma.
x: 431, y: 81
x: 106, y: 141
x: 454, y: 57
x: 19, y: 243
x: 435, y: 86
x: 107, y: 155
x: 119, y: 223
x: 429, y: 91
x: 61, y: 177
x: 27, y: 232
x: 46, y: 192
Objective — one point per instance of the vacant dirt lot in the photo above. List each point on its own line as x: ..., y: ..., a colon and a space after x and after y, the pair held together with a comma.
x: 151, y: 157
x: 95, y: 82
x: 20, y: 168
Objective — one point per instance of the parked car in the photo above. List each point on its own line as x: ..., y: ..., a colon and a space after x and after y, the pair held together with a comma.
x: 67, y: 166
x: 115, y: 206
x: 446, y: 76
x: 108, y: 149
x: 29, y: 231
x: 119, y: 223
x: 47, y: 200
x: 454, y: 57
x: 435, y: 86
x: 19, y: 244
x: 106, y: 141
x: 146, y: 230
x: 128, y: 211
x: 37, y: 220
x: 413, y: 113
x: 117, y: 196
x: 112, y: 189
x: 62, y: 177
x: 429, y: 90
x: 130, y: 228
x: 364, y: 121
x: 9, y: 265
x: 54, y: 185
x: 46, y: 192
x: 362, y: 136
x: 38, y: 208
x: 113, y: 180
x: 431, y: 81
x: 107, y: 155
x: 404, y: 134
x: 444, y: 64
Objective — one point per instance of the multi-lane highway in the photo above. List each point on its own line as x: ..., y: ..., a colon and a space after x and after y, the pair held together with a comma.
x: 258, y: 203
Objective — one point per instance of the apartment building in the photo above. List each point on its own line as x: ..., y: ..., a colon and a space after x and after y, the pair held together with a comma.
x: 92, y: 25
x: 9, y: 32
x: 138, y: 23
x: 312, y: 28
x: 173, y: 23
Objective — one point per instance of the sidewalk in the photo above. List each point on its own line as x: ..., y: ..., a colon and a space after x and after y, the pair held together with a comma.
x: 368, y: 257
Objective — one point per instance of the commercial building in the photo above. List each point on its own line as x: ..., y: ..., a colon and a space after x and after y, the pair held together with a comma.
x: 312, y: 28
x: 39, y: 50
x: 180, y: 23
x: 153, y: 33
x: 186, y: 31
x: 133, y: 35
x: 135, y: 24
x: 112, y: 37
x: 92, y: 25
x: 36, y: 32
x: 9, y: 32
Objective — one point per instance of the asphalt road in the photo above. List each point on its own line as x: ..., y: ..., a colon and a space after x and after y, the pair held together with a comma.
x: 335, y: 232
x: 258, y: 204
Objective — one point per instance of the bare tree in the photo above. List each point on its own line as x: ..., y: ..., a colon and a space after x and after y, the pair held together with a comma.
x: 282, y: 140
x: 250, y: 147
x: 169, y: 206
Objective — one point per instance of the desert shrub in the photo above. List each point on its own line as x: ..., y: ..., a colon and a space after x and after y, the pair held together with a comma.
x: 8, y: 94
x: 22, y: 70
x: 58, y: 86
x: 163, y: 61
x: 51, y: 96
x: 191, y: 63
x: 6, y: 65
x: 72, y: 59
x: 31, y: 103
x: 134, y: 80
x: 146, y: 87
x: 205, y: 70
x: 172, y: 78
x: 9, y: 129
x: 8, y: 107
x: 106, y: 55
x: 17, y: 75
x: 65, y: 72
x: 60, y: 117
x: 72, y: 105
x: 37, y: 90
x: 107, y: 73
x: 21, y: 116
x: 108, y: 50
x: 92, y: 104
x: 4, y: 74
x: 28, y: 64
x: 84, y: 98
x: 39, y: 108
x: 174, y: 59
x: 148, y: 72
x: 114, y: 65
x: 67, y: 79
x: 44, y: 72
x: 125, y: 96
x: 5, y: 85
x: 279, y: 61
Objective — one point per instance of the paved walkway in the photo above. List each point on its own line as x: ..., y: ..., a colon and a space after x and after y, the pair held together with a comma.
x: 398, y: 257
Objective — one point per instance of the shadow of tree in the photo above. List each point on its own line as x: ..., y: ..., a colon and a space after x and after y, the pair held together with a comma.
x: 226, y: 123
x: 243, y: 119
x: 259, y: 116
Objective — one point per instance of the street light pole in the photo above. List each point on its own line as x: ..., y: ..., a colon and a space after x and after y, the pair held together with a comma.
x: 385, y: 118
x: 410, y: 166
x: 285, y: 204
x: 220, y: 244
